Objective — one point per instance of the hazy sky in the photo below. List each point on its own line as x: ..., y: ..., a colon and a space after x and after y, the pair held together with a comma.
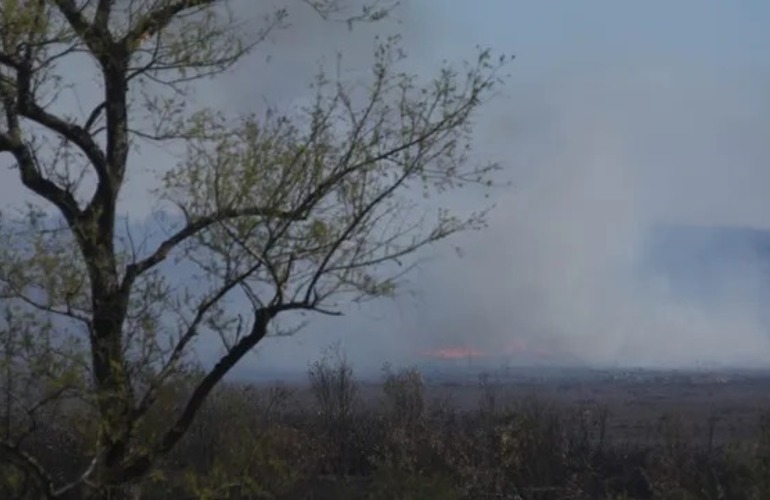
x: 618, y: 116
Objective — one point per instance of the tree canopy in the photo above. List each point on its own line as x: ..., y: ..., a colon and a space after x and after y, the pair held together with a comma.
x: 289, y: 210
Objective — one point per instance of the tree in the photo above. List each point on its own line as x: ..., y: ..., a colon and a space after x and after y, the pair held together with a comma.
x: 292, y: 212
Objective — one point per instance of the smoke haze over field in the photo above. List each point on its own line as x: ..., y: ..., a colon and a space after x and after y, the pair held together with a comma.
x: 620, y: 121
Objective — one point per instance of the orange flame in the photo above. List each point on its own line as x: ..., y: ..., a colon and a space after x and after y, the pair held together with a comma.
x: 518, y: 347
x: 454, y: 353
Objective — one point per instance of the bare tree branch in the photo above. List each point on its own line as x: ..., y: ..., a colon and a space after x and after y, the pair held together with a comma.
x: 194, y: 227
x: 94, y: 35
x: 70, y: 131
x: 67, y: 312
x: 10, y: 61
x: 82, y: 478
x: 102, y: 16
x: 140, y: 463
x: 159, y: 18
x: 31, y: 178
x: 27, y: 462
x: 190, y: 332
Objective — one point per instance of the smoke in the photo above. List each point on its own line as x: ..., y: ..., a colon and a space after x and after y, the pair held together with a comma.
x: 573, y: 262
x: 604, y: 152
x: 607, y: 137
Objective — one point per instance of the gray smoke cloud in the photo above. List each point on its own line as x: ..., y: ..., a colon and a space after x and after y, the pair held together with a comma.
x: 620, y: 156
x: 602, y: 148
x: 599, y: 161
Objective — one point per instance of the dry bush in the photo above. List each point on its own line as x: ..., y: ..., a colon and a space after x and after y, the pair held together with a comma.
x: 338, y: 416
x: 252, y: 442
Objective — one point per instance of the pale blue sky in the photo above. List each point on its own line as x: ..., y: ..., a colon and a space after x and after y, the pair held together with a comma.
x: 565, y: 33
